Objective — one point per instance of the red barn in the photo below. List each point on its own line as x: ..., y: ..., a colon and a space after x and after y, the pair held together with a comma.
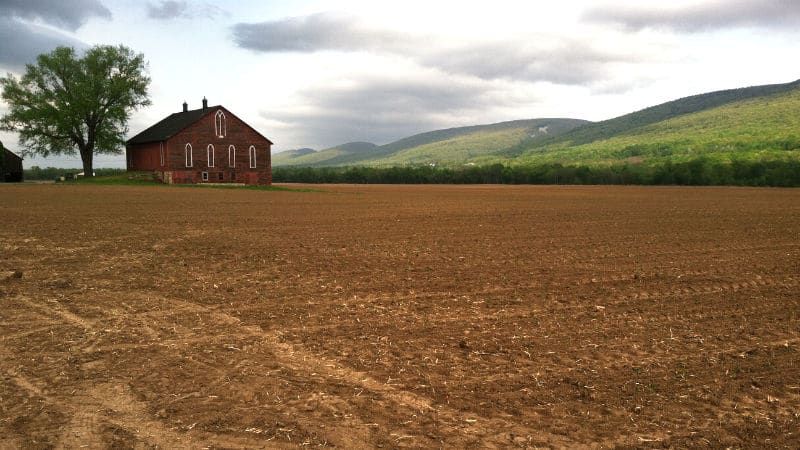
x: 206, y: 145
x: 10, y: 166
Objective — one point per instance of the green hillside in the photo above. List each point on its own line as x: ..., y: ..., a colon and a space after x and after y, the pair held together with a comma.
x: 463, y: 145
x: 761, y: 123
x: 282, y: 158
x: 308, y: 157
x: 665, y: 111
x: 455, y: 150
x: 450, y: 146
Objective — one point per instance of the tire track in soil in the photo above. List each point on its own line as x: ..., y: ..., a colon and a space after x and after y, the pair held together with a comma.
x: 296, y: 357
x: 289, y: 349
x: 171, y: 343
x: 757, y: 283
x: 93, y: 408
x: 114, y: 404
x: 22, y: 334
x: 59, y: 311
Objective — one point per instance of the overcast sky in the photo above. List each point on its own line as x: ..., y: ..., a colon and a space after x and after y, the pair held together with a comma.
x: 320, y: 73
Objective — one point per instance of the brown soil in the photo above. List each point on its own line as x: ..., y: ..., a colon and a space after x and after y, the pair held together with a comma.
x: 386, y: 316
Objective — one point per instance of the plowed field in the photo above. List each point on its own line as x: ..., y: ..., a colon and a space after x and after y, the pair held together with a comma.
x: 388, y: 316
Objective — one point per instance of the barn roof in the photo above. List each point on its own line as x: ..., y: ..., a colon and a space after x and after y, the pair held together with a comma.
x: 175, y: 122
x: 170, y: 126
x: 8, y: 153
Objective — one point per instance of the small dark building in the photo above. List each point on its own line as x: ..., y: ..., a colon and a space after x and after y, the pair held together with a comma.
x: 10, y: 166
x: 206, y: 145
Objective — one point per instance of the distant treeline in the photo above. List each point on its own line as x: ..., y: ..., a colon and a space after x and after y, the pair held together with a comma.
x: 37, y: 173
x: 699, y: 172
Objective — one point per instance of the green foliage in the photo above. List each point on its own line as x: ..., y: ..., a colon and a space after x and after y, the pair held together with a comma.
x: 698, y: 172
x: 65, y: 103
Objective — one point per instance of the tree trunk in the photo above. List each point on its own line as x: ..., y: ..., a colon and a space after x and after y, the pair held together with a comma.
x: 87, y: 155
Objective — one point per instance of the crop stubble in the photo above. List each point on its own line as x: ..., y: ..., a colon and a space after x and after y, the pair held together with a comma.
x: 413, y: 316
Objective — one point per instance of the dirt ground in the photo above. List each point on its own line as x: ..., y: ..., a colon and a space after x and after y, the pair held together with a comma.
x: 399, y: 316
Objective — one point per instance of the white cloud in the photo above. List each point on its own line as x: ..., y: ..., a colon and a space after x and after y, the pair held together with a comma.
x: 525, y: 56
x: 700, y: 16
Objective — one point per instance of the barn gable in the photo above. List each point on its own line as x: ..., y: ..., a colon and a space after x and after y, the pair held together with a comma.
x: 176, y: 122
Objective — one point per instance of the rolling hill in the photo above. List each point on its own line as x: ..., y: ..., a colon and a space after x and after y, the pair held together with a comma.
x: 751, y: 123
x: 309, y: 157
x: 296, y: 152
x: 450, y: 146
x: 759, y: 123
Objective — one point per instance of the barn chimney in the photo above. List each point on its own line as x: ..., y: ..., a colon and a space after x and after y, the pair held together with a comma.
x: 205, y: 103
x: 185, y: 106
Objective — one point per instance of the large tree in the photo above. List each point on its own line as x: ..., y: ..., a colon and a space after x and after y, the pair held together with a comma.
x: 66, y: 103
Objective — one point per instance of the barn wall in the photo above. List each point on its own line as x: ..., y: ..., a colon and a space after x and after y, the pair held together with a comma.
x: 144, y: 156
x: 12, y: 167
x: 201, y: 134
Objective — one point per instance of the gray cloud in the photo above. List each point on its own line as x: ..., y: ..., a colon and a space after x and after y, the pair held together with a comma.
x: 565, y: 62
x: 181, y: 9
x: 23, y: 39
x: 166, y: 10
x: 712, y: 15
x: 22, y: 42
x: 381, y: 111
x: 312, y: 33
x: 69, y: 15
x: 531, y: 58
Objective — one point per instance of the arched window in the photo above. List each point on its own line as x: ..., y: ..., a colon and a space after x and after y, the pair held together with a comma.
x: 231, y: 156
x: 252, y: 157
x: 210, y: 154
x: 188, y: 155
x: 220, y: 124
